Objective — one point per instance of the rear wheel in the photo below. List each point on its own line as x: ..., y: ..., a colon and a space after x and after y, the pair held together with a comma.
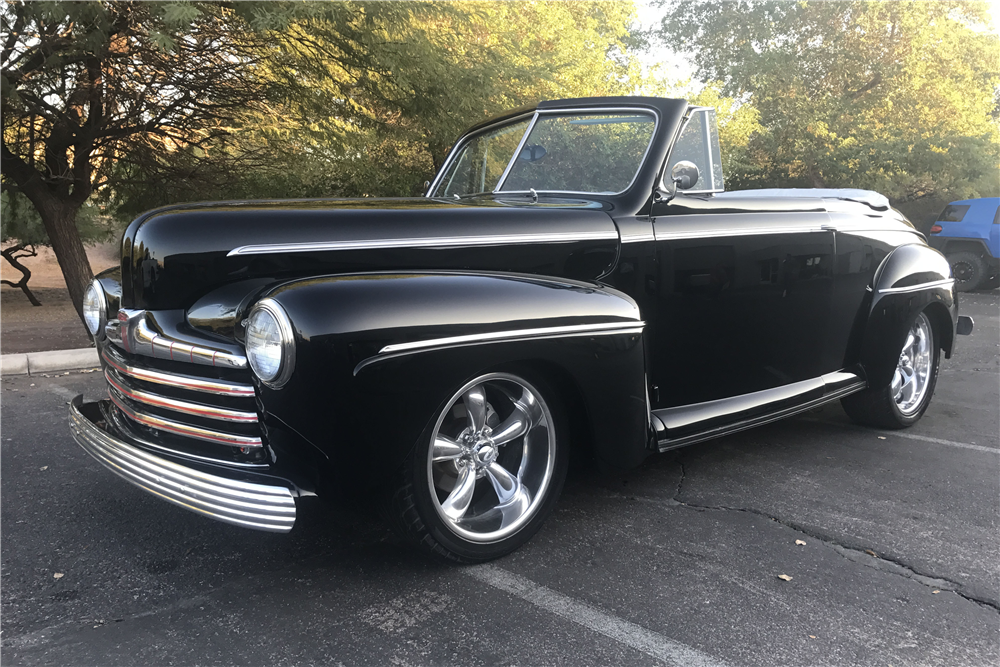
x: 487, y: 474
x: 969, y: 270
x: 905, y: 400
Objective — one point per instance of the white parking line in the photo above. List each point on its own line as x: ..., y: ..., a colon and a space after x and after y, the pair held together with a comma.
x: 911, y: 436
x: 581, y: 613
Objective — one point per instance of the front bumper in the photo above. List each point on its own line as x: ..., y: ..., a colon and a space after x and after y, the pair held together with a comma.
x: 243, y: 503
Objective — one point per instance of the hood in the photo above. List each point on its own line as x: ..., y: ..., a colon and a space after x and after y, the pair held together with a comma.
x: 173, y: 256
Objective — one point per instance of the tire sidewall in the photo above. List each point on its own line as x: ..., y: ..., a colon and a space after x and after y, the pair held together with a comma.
x: 425, y: 504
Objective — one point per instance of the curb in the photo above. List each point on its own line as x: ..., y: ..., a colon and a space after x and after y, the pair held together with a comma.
x: 30, y: 363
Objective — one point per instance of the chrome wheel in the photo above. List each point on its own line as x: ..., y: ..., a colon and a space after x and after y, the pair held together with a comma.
x: 913, y: 372
x: 491, y: 459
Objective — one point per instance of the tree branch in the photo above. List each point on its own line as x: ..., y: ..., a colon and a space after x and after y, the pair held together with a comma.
x: 12, y: 256
x: 15, y: 33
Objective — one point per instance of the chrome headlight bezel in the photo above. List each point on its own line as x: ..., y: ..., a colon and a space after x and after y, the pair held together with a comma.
x: 102, y: 305
x: 286, y: 334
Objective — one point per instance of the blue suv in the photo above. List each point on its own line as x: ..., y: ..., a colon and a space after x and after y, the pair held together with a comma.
x: 968, y: 233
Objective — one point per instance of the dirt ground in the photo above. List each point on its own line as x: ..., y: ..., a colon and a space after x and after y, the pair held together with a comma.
x: 54, y: 325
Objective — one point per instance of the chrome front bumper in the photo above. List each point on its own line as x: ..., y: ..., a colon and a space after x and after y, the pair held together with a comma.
x: 246, y: 504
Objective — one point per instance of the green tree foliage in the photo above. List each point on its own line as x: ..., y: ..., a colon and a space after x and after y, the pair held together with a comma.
x: 375, y: 93
x: 897, y: 97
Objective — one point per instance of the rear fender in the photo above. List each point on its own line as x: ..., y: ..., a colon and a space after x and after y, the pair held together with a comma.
x: 912, y: 278
x: 377, y: 356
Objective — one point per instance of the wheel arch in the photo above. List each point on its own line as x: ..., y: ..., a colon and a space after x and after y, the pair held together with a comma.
x: 571, y: 399
x: 911, y: 279
x: 965, y: 244
x: 941, y: 320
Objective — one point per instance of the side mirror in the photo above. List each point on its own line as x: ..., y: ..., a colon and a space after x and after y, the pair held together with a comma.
x: 532, y: 153
x: 685, y: 174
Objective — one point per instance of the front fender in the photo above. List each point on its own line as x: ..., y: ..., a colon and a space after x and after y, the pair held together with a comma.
x: 912, y: 278
x: 377, y: 355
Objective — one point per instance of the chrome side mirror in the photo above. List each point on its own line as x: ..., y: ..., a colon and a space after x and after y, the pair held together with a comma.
x: 685, y: 174
x: 532, y: 153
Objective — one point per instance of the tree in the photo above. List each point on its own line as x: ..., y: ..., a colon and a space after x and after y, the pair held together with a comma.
x: 21, y: 228
x: 892, y: 96
x: 148, y: 103
x: 22, y: 231
x: 377, y: 92
x: 86, y: 84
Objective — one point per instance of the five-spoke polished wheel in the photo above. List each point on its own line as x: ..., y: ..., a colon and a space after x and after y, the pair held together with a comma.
x: 492, y: 457
x: 488, y: 470
x: 913, y: 372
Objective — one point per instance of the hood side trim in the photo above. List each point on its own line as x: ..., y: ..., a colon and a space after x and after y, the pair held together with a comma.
x: 429, y: 242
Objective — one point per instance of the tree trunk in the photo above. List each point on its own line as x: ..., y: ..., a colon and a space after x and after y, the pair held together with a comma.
x: 58, y: 215
x: 60, y: 224
x: 817, y: 178
x: 10, y: 254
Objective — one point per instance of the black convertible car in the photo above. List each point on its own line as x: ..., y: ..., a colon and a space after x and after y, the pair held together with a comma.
x: 574, y: 283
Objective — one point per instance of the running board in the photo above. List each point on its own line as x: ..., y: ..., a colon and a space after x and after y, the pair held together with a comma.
x: 688, y: 424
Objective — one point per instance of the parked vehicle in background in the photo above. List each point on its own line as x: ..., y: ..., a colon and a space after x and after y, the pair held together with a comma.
x: 968, y: 233
x: 575, y: 278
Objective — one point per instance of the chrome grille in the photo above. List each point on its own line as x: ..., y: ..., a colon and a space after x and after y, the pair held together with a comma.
x: 206, y: 417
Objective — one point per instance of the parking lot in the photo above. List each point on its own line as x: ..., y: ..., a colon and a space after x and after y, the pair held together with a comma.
x: 889, y: 542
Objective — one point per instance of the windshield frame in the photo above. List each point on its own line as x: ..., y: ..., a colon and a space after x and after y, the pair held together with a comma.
x: 535, y: 115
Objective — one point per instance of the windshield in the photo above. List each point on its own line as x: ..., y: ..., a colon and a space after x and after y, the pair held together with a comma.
x: 586, y: 153
x: 598, y: 153
x: 481, y: 162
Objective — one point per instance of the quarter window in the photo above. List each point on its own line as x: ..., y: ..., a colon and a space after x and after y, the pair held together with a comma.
x: 953, y: 213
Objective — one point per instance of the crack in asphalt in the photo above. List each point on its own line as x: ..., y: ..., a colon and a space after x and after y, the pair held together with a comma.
x: 56, y: 633
x: 857, y: 554
x: 680, y: 482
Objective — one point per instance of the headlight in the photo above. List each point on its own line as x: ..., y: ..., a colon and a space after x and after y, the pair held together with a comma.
x: 270, y: 343
x: 95, y: 308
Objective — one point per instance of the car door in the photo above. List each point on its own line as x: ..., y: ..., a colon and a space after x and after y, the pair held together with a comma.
x: 744, y: 286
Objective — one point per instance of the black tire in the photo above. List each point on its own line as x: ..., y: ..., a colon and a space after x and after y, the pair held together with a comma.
x: 969, y: 270
x: 880, y: 407
x: 416, y: 508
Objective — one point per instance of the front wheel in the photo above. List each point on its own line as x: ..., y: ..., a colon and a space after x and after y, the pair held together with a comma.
x: 905, y: 400
x: 487, y: 474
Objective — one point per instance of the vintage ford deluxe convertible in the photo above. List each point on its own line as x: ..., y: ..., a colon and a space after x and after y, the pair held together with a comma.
x: 575, y: 282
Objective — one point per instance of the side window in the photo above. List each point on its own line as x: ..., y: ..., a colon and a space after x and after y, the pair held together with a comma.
x: 953, y: 213
x: 481, y: 162
x: 699, y: 143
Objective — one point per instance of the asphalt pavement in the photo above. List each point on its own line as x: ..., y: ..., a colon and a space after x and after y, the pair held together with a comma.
x: 890, y: 542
